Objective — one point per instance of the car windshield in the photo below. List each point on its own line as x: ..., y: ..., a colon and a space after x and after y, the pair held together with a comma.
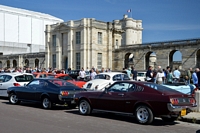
x: 60, y: 82
x: 140, y: 74
x: 102, y: 76
x: 159, y: 87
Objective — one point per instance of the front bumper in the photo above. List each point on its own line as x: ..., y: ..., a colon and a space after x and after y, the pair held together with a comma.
x: 173, y: 108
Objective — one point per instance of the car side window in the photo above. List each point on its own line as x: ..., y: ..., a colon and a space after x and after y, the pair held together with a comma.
x: 119, y: 87
x: 117, y: 77
x: 7, y: 78
x: 35, y: 82
x: 2, y: 78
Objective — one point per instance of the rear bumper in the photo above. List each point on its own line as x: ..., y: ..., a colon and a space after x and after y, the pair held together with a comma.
x: 173, y: 108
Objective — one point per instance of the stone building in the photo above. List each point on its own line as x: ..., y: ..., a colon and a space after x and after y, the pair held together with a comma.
x: 89, y: 42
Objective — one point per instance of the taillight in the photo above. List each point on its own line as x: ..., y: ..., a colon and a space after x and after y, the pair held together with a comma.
x: 192, y: 100
x: 64, y: 93
x: 193, y: 92
x: 16, y: 84
x: 174, y: 101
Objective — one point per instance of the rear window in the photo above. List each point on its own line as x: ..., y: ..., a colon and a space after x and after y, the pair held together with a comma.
x: 24, y: 78
x: 60, y: 82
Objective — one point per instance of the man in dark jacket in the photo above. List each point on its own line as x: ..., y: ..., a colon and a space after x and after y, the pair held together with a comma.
x: 134, y: 73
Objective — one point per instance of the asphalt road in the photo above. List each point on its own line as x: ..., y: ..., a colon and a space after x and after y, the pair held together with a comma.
x: 31, y: 118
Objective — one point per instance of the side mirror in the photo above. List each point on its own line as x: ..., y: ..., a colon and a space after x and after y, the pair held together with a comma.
x: 25, y: 85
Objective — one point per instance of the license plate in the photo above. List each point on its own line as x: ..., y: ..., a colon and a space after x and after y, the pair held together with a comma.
x: 183, y: 112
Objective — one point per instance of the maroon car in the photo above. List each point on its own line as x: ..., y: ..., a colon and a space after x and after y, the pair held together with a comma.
x: 144, y: 100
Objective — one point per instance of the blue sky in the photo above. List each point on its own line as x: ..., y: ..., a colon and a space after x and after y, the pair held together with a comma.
x: 163, y: 20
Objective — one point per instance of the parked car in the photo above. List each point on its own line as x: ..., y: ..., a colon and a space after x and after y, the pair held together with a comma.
x: 105, y: 79
x: 41, y: 75
x: 182, y: 87
x: 74, y: 74
x: 144, y: 100
x: 45, y: 91
x: 141, y: 76
x: 68, y: 79
x: 13, y: 79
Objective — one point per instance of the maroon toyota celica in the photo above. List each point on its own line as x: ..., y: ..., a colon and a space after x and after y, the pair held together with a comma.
x: 144, y: 100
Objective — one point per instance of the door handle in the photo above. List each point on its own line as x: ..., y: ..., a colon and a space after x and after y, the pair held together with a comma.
x: 121, y: 94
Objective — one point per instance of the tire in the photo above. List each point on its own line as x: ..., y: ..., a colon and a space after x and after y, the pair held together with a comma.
x: 13, y: 99
x: 46, y: 103
x: 84, y: 107
x: 172, y: 119
x: 144, y: 114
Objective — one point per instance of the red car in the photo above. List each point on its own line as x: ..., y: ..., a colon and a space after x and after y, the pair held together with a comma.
x: 144, y: 100
x: 70, y: 79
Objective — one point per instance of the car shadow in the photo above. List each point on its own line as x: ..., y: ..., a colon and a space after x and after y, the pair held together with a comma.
x: 39, y: 106
x: 125, y: 118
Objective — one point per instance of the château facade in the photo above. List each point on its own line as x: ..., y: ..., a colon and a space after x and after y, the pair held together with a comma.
x: 89, y: 42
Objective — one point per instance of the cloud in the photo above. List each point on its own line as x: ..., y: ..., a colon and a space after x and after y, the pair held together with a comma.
x: 171, y: 27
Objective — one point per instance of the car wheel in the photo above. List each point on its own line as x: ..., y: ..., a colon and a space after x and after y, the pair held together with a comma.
x: 171, y: 119
x: 144, y: 114
x: 13, y: 99
x: 84, y: 107
x: 46, y: 103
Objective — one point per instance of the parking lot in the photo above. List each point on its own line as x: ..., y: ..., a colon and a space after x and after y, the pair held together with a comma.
x: 31, y: 118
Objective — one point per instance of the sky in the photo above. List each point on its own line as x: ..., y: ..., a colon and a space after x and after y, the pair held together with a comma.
x: 162, y: 20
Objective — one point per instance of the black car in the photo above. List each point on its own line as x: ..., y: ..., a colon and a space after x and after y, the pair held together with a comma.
x: 45, y: 91
x: 74, y: 74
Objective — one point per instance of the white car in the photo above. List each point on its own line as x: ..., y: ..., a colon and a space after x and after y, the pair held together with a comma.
x: 103, y: 80
x: 141, y: 76
x: 13, y: 79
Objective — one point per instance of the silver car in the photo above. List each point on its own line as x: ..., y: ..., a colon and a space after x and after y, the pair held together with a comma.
x: 13, y: 79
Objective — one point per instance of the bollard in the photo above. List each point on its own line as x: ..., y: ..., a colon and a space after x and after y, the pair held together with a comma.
x: 197, y: 97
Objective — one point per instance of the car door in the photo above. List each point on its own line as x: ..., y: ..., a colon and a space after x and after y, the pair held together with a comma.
x: 28, y: 92
x: 113, y: 99
x: 5, y: 83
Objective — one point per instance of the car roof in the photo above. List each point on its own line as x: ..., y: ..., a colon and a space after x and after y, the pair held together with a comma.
x: 111, y: 73
x: 16, y: 74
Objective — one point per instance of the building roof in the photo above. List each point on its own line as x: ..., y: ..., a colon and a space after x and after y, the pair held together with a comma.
x: 24, y: 12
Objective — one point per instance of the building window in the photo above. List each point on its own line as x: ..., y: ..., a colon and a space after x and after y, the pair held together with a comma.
x: 99, y: 61
x: 78, y: 37
x: 54, y: 61
x: 54, y: 40
x: 78, y: 61
x: 99, y: 37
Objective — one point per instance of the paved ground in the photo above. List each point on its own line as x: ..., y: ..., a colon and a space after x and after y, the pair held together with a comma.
x: 30, y: 118
x: 193, y: 117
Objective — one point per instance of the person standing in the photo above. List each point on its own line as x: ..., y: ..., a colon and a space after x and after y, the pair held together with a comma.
x: 159, y: 76
x: 93, y: 74
x: 149, y: 74
x: 82, y: 74
x: 177, y: 74
x: 170, y: 77
x: 194, y: 77
x: 188, y: 76
x: 134, y: 73
x: 198, y: 77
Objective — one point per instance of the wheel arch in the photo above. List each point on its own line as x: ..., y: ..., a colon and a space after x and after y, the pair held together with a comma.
x: 85, y: 98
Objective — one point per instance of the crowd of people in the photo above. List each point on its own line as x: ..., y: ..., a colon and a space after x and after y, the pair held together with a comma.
x: 156, y: 75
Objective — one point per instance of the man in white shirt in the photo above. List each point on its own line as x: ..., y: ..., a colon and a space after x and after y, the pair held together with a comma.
x: 93, y: 74
x: 177, y: 73
x: 82, y: 74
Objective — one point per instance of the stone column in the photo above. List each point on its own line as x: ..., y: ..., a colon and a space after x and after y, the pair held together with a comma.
x: 197, y: 97
x: 47, y: 47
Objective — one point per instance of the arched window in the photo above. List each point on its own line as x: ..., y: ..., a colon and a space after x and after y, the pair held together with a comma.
x: 8, y: 63
x: 26, y: 63
x: 37, y: 63
x: 14, y: 63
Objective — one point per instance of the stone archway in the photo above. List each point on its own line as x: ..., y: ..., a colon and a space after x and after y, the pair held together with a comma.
x: 173, y: 62
x: 198, y: 59
x: 150, y: 59
x: 14, y: 63
x: 129, y: 60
